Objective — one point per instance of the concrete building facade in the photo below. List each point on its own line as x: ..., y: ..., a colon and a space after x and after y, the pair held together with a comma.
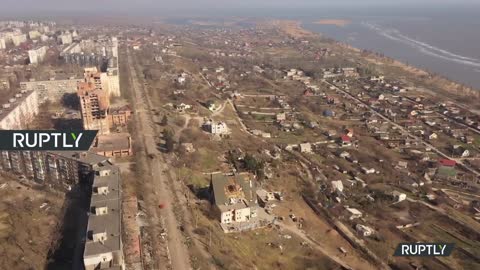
x: 53, y: 89
x: 218, y: 128
x: 34, y: 34
x: 37, y: 55
x: 103, y: 245
x: 113, y: 82
x: 19, y: 38
x: 66, y: 38
x: 94, y: 105
x: 19, y: 111
x: 119, y: 117
x: 233, y: 196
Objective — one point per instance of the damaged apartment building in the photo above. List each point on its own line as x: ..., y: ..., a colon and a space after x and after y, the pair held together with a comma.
x: 94, y: 102
x: 61, y: 169
x: 235, y: 203
x: 102, y: 238
x: 103, y: 245
x: 19, y: 111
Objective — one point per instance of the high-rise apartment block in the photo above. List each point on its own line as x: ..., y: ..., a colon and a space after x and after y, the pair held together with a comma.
x: 19, y: 38
x: 66, y: 38
x: 94, y: 101
x: 19, y: 111
x: 37, y: 55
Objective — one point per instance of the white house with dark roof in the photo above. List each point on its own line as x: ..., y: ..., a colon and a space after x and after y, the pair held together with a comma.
x: 233, y: 197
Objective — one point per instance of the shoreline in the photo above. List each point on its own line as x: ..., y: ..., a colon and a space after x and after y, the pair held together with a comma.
x: 336, y: 22
x: 457, y: 90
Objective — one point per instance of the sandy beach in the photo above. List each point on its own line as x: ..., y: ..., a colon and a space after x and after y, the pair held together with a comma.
x: 336, y: 22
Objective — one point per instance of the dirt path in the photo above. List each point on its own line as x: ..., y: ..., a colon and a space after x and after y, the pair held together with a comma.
x: 314, y: 244
x: 243, y: 127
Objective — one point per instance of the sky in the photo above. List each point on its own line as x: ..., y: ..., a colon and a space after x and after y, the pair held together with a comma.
x: 169, y: 7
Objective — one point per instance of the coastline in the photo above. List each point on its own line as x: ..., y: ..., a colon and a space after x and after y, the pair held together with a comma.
x: 448, y: 89
x: 292, y: 28
x: 336, y: 22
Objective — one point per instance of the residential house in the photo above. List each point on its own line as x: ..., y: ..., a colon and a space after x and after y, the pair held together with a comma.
x: 217, y: 128
x: 305, y: 147
x: 233, y: 197
x: 345, y: 141
x: 364, y: 230
x: 264, y: 197
x: 353, y: 213
x: 398, y: 196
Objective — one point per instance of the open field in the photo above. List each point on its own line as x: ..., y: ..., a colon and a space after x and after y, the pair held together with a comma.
x: 29, y: 222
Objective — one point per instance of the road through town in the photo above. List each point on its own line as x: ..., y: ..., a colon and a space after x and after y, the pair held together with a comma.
x: 177, y: 250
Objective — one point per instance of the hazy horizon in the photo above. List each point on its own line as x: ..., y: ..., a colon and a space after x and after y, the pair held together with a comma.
x: 25, y: 8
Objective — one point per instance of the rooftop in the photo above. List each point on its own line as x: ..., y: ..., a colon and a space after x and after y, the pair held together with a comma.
x: 228, y: 189
x: 108, y: 179
x: 17, y: 100
x: 88, y: 158
x: 111, y: 142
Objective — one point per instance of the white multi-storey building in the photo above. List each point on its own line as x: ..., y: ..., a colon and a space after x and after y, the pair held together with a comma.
x: 234, y: 198
x: 19, y: 38
x: 53, y: 89
x: 34, y: 34
x: 37, y: 55
x: 217, y: 128
x: 66, y: 38
x: 19, y: 111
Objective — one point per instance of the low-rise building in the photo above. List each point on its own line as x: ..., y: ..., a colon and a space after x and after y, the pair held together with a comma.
x: 217, y: 128
x: 353, y: 212
x: 119, y: 117
x: 264, y: 197
x: 398, y: 196
x: 4, y: 83
x: 233, y: 197
x: 281, y: 116
x: 306, y: 148
x: 113, y: 145
x: 364, y: 230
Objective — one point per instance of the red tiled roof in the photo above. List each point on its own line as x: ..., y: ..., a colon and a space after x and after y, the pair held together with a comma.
x: 447, y: 162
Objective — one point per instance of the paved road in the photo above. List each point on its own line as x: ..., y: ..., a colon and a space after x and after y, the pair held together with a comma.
x: 178, y: 251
